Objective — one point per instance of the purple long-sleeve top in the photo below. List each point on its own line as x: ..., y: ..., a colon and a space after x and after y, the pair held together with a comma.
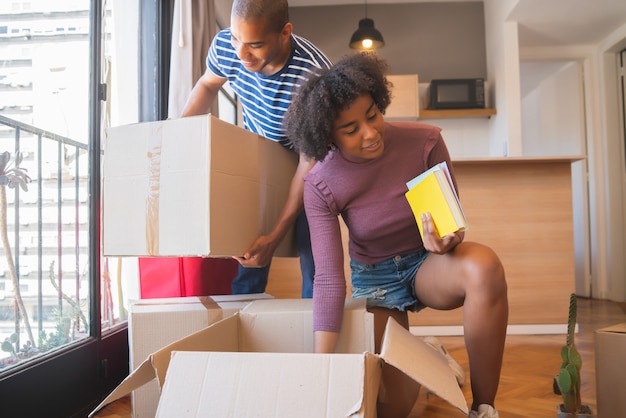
x: 369, y: 196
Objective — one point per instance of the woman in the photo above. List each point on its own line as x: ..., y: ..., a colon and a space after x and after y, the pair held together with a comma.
x: 363, y: 164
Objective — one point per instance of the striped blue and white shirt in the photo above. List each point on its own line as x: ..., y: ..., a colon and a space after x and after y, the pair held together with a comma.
x: 265, y: 98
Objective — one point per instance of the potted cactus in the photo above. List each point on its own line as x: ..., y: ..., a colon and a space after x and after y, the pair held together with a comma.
x: 567, y: 382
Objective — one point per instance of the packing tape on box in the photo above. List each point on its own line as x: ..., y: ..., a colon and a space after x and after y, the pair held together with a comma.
x: 154, y: 190
x: 208, y: 303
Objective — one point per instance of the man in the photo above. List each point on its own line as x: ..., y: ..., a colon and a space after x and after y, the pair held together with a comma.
x: 264, y: 63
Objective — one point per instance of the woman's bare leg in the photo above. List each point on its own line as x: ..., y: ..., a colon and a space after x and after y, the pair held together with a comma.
x: 471, y: 276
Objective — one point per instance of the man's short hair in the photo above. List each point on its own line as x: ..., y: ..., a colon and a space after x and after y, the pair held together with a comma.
x: 276, y: 12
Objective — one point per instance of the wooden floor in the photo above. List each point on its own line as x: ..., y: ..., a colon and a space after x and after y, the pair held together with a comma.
x: 530, y: 363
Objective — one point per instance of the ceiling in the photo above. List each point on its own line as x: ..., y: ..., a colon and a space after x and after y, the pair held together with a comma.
x: 542, y: 22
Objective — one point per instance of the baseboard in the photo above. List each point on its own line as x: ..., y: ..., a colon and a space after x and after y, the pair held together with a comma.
x: 526, y: 329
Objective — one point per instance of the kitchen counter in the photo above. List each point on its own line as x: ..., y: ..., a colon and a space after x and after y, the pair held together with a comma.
x: 522, y: 208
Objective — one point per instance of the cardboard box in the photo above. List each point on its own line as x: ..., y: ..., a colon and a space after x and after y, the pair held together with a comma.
x: 610, y: 349
x: 194, y: 186
x: 155, y: 323
x: 259, y: 362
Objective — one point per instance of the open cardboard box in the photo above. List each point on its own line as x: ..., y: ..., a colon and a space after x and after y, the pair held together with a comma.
x: 610, y: 355
x: 195, y: 186
x: 259, y: 362
x: 155, y: 323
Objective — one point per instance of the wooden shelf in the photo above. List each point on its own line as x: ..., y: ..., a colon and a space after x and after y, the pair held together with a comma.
x: 456, y: 113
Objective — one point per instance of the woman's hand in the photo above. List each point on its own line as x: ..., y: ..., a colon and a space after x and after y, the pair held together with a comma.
x: 431, y: 240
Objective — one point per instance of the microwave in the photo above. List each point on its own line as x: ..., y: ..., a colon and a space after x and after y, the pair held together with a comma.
x: 461, y: 93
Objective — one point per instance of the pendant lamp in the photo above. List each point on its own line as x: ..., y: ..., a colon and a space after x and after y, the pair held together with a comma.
x: 366, y: 37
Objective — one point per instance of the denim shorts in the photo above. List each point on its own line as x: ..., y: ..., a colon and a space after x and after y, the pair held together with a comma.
x: 389, y: 284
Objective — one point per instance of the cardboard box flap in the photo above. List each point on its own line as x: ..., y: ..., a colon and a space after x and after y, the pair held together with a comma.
x: 296, y: 305
x: 217, y: 384
x: 227, y: 331
x: 215, y: 307
x: 158, y: 363
x: 400, y: 349
x: 619, y: 329
x: 209, y: 301
x: 371, y: 386
x: 155, y: 323
x: 241, y: 298
x: 256, y: 328
x: 169, y: 305
x: 261, y: 316
x: 140, y: 376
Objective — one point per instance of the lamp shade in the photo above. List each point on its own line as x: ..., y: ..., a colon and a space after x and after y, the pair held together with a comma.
x: 366, y: 36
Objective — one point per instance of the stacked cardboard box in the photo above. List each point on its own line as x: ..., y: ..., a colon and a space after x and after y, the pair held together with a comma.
x: 610, y: 355
x: 194, y: 186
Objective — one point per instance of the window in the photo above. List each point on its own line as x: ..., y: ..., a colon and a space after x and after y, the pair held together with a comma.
x: 64, y: 341
x: 46, y: 99
x: 53, y: 110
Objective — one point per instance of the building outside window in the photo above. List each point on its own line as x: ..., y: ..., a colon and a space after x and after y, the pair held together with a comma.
x: 68, y: 70
x: 44, y: 85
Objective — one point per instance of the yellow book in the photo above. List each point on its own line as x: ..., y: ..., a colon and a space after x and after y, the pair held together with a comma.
x: 433, y: 191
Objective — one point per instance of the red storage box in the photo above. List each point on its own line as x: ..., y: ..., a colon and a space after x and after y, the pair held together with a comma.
x: 166, y: 277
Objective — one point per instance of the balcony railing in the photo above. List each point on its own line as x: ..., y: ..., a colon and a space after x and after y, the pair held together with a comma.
x: 47, y: 229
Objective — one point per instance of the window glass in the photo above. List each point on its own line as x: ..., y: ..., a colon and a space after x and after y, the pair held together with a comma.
x: 119, y: 278
x: 44, y: 110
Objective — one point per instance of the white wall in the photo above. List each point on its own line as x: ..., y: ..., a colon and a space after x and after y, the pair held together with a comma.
x: 433, y: 40
x: 503, y: 69
x: 604, y: 165
x: 552, y: 108
x: 553, y: 123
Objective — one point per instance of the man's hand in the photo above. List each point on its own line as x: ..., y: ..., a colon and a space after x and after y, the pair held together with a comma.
x: 262, y: 250
x: 431, y: 240
x: 259, y: 254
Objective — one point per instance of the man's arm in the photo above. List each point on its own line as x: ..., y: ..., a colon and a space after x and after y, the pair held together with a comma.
x: 203, y: 94
x: 262, y: 250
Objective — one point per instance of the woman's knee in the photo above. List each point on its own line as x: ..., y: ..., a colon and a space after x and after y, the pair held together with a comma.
x: 485, y: 270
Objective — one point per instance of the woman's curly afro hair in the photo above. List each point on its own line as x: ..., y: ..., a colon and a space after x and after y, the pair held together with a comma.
x: 311, y: 115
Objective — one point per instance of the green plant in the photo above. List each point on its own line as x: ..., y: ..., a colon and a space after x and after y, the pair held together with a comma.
x: 10, y: 345
x: 68, y: 319
x: 7, y: 344
x: 568, y: 378
x: 11, y: 176
x: 75, y: 309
